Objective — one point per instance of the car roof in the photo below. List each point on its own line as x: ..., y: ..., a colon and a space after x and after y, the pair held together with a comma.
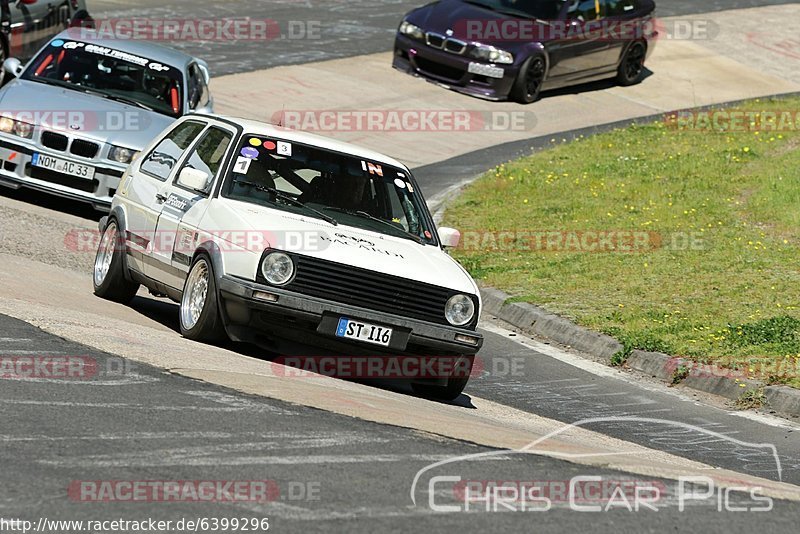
x: 270, y: 130
x: 138, y: 47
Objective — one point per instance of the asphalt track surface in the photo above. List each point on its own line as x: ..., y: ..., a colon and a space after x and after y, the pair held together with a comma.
x: 145, y: 424
x: 326, y: 473
x: 335, y: 28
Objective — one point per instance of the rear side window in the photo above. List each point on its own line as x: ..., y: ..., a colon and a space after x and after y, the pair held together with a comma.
x: 160, y: 162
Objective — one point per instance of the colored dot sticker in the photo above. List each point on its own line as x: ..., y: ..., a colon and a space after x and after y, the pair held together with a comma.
x: 58, y: 43
x: 250, y: 152
x: 255, y: 142
x: 410, y: 187
x: 399, y: 183
x: 270, y: 145
x: 428, y: 234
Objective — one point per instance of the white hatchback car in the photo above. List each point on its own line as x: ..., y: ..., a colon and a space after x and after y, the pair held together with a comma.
x: 287, y: 239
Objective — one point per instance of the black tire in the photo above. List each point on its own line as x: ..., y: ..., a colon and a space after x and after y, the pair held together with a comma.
x: 528, y: 85
x: 108, y: 275
x: 455, y: 384
x: 631, y: 68
x: 205, y: 326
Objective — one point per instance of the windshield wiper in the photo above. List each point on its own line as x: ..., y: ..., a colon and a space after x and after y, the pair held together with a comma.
x: 124, y: 100
x: 365, y: 215
x: 291, y: 200
x: 507, y: 11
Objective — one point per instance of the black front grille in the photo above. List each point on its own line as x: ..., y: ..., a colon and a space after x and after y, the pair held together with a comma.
x: 455, y: 46
x: 55, y: 141
x: 84, y: 149
x: 47, y: 175
x: 435, y: 40
x: 367, y: 289
x: 438, y: 70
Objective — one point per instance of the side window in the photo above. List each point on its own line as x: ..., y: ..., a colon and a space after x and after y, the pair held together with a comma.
x: 160, y: 162
x: 583, y: 10
x: 199, y: 94
x: 618, y: 8
x: 209, y: 153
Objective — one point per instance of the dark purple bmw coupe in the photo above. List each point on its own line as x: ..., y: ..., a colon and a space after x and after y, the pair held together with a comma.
x: 513, y: 49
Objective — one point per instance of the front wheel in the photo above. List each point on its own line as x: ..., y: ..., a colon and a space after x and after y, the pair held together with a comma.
x: 455, y: 383
x: 528, y: 85
x: 109, y: 272
x: 631, y: 69
x: 199, y: 312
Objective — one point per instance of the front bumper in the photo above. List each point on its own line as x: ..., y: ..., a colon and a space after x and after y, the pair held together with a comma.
x: 312, y: 321
x: 17, y: 171
x: 451, y: 70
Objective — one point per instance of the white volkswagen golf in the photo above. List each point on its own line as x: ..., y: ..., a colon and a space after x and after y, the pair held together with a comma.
x: 286, y: 240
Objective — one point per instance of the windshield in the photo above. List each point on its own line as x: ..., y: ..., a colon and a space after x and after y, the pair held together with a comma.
x: 538, y: 9
x: 110, y: 73
x: 340, y: 188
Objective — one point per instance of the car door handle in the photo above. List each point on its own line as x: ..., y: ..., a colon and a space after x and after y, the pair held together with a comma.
x: 160, y: 198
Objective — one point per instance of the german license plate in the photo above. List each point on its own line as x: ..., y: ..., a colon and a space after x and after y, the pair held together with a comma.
x: 63, y: 166
x: 369, y: 333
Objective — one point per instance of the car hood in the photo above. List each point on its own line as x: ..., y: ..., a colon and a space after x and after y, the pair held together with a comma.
x: 360, y: 248
x: 454, y: 15
x: 98, y: 118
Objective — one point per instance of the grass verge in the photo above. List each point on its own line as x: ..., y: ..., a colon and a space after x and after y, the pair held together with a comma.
x: 677, y: 239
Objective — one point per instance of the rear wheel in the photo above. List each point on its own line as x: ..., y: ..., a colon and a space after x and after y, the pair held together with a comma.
x: 528, y: 85
x: 455, y: 384
x: 109, y: 272
x: 199, y: 312
x: 631, y: 69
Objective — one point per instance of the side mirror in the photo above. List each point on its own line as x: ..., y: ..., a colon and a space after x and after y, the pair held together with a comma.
x: 13, y: 66
x: 194, y: 179
x: 450, y: 237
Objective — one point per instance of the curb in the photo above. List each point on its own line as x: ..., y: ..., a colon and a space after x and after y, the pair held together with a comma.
x: 712, y: 379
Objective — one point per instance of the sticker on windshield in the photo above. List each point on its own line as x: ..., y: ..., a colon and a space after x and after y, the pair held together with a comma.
x: 372, y: 168
x: 117, y: 54
x: 255, y: 141
x: 58, y: 43
x: 270, y: 145
x: 242, y: 165
x: 250, y: 152
x: 284, y: 149
x: 410, y: 187
x: 399, y: 183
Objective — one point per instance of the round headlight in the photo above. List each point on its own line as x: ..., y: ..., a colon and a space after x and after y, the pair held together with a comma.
x: 460, y: 310
x: 415, y: 32
x: 121, y: 154
x: 277, y: 268
x: 23, y: 129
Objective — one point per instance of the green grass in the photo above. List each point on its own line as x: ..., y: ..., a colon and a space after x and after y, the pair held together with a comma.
x: 723, y: 282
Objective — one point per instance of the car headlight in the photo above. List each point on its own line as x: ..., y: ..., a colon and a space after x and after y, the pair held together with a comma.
x: 15, y: 127
x: 415, y: 32
x: 277, y: 268
x: 492, y: 54
x: 121, y: 154
x: 460, y: 310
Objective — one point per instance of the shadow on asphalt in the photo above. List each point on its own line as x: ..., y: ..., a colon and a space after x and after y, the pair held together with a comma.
x: 165, y: 313
x: 52, y: 202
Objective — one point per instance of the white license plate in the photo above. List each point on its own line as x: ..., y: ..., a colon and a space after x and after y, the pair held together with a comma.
x: 486, y: 70
x: 369, y: 333
x: 63, y: 166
